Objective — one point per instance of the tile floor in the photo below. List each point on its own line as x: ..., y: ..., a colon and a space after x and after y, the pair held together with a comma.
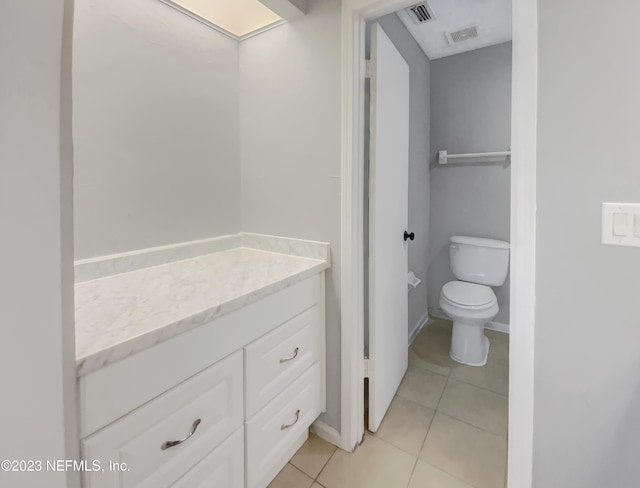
x: 446, y: 427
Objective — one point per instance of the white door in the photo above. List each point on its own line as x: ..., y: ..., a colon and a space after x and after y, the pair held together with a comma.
x: 388, y: 220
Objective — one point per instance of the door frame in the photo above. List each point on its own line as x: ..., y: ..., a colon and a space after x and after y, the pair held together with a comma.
x: 355, y: 13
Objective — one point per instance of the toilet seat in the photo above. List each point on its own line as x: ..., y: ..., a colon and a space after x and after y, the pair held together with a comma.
x: 469, y: 295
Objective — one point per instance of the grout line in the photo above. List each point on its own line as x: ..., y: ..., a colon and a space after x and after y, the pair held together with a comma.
x: 480, y: 387
x: 425, y: 369
x: 435, y: 411
x: 412, y: 471
x: 372, y: 434
x: 442, y: 394
x: 325, y: 465
x: 424, y: 441
x: 450, y: 474
x: 474, y: 426
x: 297, y: 468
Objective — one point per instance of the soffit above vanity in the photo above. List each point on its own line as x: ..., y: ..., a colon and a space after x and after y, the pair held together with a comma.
x: 240, y: 19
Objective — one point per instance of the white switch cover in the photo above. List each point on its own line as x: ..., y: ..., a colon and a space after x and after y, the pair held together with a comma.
x: 621, y: 224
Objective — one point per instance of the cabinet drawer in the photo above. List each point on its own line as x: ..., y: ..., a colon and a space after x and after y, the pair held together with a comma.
x: 269, y: 442
x: 214, y: 396
x: 223, y: 468
x: 275, y: 360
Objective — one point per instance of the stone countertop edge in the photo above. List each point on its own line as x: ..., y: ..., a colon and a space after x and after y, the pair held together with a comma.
x: 88, y: 361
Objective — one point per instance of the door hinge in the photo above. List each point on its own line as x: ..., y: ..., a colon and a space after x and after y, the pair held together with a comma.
x: 367, y: 70
x: 365, y: 367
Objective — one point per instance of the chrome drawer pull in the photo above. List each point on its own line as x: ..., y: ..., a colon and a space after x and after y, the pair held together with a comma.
x: 295, y: 355
x: 169, y: 444
x: 286, y: 426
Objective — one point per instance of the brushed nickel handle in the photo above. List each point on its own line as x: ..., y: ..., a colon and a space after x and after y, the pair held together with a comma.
x: 169, y: 444
x: 295, y: 355
x: 286, y: 426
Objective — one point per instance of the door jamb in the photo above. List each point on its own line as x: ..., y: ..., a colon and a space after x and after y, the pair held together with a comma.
x: 355, y: 13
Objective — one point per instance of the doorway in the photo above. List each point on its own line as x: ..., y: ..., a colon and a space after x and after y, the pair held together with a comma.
x: 522, y: 237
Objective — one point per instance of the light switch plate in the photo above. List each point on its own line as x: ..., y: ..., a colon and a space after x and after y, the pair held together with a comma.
x: 621, y: 224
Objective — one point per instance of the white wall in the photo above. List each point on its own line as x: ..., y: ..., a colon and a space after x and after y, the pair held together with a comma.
x: 587, y: 354
x: 38, y: 412
x: 290, y: 147
x: 470, y: 112
x: 419, y: 150
x: 155, y: 128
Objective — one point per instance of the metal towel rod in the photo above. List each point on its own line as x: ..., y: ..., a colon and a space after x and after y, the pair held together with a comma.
x: 444, y: 156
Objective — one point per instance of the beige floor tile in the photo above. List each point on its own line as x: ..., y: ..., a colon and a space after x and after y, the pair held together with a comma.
x: 499, y: 350
x: 476, y: 406
x: 415, y: 362
x: 405, y: 425
x: 428, y: 476
x: 423, y: 387
x: 291, y: 477
x: 493, y: 376
x: 374, y: 464
x: 495, y: 336
x: 466, y: 452
x: 313, y: 455
x: 317, y: 485
x: 434, y: 342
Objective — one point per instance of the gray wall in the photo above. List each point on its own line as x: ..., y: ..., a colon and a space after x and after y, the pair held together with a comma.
x: 419, y: 149
x: 290, y: 117
x: 155, y: 128
x: 38, y: 420
x: 587, y: 353
x: 470, y: 112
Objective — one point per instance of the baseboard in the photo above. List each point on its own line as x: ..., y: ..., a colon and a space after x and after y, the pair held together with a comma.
x: 497, y: 326
x: 328, y: 433
x: 422, y: 321
x: 438, y: 313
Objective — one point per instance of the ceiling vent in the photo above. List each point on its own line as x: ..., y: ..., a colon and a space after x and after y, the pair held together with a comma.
x: 463, y: 34
x: 421, y: 13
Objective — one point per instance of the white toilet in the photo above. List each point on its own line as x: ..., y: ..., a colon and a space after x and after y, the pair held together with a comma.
x: 478, y: 263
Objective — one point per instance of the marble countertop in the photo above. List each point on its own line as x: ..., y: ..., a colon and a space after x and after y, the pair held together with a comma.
x: 119, y: 315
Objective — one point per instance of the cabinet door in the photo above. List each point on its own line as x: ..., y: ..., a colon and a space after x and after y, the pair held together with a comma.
x: 202, y: 411
x: 223, y: 468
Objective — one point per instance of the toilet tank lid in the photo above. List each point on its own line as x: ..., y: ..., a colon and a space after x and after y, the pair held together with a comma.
x: 480, y: 242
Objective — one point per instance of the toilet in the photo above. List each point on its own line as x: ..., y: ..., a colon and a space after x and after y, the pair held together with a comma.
x: 478, y: 263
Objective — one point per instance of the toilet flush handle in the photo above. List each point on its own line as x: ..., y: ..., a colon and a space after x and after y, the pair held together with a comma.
x: 409, y: 236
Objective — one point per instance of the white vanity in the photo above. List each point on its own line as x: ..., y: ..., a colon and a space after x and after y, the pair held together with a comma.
x: 203, y: 371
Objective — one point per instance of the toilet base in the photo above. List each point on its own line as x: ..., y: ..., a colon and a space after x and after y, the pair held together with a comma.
x: 469, y: 345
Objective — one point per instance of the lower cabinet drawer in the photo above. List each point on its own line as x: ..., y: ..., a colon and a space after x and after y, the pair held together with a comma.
x: 162, y: 440
x: 223, y: 468
x: 272, y: 435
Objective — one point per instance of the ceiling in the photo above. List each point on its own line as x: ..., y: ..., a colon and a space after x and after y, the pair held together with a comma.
x: 492, y: 19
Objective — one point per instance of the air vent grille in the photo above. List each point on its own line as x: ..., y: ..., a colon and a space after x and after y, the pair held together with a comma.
x: 464, y: 34
x: 421, y: 13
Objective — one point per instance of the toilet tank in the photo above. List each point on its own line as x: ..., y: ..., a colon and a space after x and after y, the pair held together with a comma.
x: 479, y: 260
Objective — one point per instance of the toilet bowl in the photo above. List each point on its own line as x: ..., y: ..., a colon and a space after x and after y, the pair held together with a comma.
x: 478, y: 263
x: 471, y: 307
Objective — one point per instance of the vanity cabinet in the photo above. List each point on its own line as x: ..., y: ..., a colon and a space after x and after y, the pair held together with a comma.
x: 225, y: 404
